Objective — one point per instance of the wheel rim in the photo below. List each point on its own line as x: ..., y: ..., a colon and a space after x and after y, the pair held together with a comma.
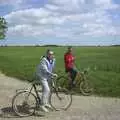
x: 24, y: 105
x: 61, y: 101
x: 86, y: 88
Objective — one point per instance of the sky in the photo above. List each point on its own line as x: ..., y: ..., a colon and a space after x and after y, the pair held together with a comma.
x: 62, y: 22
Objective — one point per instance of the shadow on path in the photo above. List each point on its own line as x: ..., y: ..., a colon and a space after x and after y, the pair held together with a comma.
x: 7, y: 112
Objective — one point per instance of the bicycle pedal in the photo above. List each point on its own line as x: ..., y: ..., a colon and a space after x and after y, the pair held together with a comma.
x: 39, y: 113
x: 57, y: 109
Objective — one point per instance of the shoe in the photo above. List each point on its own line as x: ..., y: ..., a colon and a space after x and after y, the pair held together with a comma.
x: 43, y: 108
x: 74, y: 83
x: 48, y: 106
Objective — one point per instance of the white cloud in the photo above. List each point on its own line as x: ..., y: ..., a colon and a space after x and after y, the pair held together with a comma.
x: 51, y: 7
x: 64, y: 18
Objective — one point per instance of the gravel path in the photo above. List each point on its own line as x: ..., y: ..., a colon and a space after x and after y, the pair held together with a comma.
x: 83, y: 107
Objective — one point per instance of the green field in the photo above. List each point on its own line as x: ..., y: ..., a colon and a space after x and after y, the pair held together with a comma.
x: 104, y: 64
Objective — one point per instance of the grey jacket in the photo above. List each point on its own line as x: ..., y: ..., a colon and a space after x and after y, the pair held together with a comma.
x: 45, y: 68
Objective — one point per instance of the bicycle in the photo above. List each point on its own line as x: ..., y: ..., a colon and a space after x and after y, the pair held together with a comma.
x: 26, y: 102
x: 81, y: 82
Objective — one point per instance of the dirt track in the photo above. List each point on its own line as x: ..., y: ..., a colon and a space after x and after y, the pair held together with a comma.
x: 83, y: 108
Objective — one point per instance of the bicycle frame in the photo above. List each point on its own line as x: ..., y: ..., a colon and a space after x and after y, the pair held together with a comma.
x: 54, y: 87
x: 36, y: 93
x: 79, y: 77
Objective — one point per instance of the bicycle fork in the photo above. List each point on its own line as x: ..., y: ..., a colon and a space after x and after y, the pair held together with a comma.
x: 57, y: 93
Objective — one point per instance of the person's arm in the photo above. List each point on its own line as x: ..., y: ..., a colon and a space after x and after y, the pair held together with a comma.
x: 74, y: 64
x: 66, y: 59
x: 53, y: 64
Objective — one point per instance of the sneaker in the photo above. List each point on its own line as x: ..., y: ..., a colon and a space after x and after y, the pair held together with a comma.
x: 74, y: 83
x: 44, y: 108
x: 48, y: 106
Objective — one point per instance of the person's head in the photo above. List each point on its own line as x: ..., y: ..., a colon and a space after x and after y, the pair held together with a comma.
x: 50, y: 54
x: 69, y: 49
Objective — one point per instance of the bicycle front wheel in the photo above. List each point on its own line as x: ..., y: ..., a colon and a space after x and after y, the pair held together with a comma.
x: 61, y: 99
x: 24, y: 103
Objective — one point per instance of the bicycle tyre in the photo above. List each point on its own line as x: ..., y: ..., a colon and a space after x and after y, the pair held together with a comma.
x: 61, y: 99
x: 24, y: 109
x: 86, y: 88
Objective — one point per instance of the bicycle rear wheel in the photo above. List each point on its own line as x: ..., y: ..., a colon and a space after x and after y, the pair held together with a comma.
x: 61, y: 99
x: 86, y: 88
x: 24, y: 103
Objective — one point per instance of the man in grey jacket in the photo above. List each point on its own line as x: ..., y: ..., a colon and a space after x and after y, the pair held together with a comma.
x: 44, y: 72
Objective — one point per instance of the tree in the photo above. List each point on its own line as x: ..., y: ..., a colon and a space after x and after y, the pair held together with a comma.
x: 3, y: 28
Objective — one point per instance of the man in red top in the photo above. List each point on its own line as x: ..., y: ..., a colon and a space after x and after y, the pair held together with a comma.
x: 70, y: 68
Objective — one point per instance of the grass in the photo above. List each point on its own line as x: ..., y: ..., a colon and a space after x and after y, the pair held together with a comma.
x: 104, y: 64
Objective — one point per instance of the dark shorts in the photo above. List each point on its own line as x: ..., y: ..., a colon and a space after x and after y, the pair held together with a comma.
x: 73, y: 73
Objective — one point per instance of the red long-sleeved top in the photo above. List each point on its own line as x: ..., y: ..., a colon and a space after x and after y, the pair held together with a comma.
x: 69, y: 60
